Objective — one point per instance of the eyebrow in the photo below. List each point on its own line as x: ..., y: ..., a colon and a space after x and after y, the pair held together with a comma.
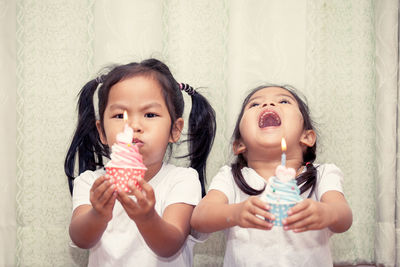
x: 151, y: 105
x: 117, y: 106
x: 146, y: 106
x: 283, y: 94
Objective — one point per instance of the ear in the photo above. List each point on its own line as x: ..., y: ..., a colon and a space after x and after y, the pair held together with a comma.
x: 239, y: 147
x: 103, y: 138
x: 176, y: 130
x: 308, y: 138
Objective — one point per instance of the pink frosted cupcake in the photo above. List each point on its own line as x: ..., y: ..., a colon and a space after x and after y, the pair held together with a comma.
x: 126, y: 162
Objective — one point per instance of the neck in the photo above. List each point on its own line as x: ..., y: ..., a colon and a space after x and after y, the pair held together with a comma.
x: 152, y: 170
x: 266, y: 167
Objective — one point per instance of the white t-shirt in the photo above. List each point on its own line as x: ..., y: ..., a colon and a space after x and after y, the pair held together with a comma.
x: 121, y: 243
x: 276, y: 247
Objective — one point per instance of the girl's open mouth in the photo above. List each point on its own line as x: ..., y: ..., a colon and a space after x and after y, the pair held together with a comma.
x: 269, y: 118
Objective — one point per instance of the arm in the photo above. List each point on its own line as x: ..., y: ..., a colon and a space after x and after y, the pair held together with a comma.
x: 342, y: 217
x: 333, y: 212
x: 172, y: 228
x: 214, y: 213
x: 88, y: 222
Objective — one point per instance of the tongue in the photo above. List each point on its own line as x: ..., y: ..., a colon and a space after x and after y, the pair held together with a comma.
x: 269, y: 120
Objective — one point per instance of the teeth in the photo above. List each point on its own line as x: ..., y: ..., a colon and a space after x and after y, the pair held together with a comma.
x: 269, y: 118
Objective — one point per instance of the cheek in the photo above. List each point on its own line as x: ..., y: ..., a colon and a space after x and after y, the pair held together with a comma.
x: 245, y: 127
x: 110, y: 135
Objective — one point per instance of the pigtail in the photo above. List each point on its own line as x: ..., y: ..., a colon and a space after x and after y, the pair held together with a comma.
x: 201, y: 131
x: 236, y: 169
x: 86, y: 141
x: 308, y: 179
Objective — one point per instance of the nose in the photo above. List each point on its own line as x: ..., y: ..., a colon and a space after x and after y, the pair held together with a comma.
x: 136, y: 125
x: 137, y: 129
x: 269, y: 104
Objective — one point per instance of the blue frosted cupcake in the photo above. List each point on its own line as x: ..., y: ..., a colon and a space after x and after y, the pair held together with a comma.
x: 281, y: 193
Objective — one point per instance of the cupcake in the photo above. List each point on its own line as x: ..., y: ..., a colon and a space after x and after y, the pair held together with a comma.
x: 126, y: 162
x: 281, y: 193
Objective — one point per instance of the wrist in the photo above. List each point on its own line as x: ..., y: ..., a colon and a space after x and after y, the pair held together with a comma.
x: 234, y: 214
x: 100, y: 218
x: 148, y: 221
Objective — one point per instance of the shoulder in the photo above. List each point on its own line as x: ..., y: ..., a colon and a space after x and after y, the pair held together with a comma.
x: 223, y: 179
x: 174, y: 174
x: 177, y: 185
x: 225, y: 171
x: 328, y: 169
x: 330, y: 177
x: 88, y: 177
x: 170, y: 169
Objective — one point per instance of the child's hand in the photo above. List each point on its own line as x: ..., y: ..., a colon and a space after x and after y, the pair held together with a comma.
x: 143, y: 208
x: 248, y: 213
x: 102, y: 197
x: 308, y: 215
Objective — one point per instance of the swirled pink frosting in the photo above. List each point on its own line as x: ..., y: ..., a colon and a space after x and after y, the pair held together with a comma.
x: 125, y: 154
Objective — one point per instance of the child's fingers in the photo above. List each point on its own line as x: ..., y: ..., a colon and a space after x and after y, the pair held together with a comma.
x: 293, y: 221
x: 99, y: 189
x: 260, y: 204
x: 146, y: 188
x: 300, y: 230
x: 304, y: 222
x: 259, y: 223
x: 140, y: 197
x: 126, y: 201
x: 99, y: 181
x: 299, y: 207
x: 108, y: 194
x: 112, y: 199
x: 147, y: 192
x: 264, y: 214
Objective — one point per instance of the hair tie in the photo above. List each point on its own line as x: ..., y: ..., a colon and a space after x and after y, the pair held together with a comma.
x: 187, y: 88
x: 308, y: 164
x: 99, y: 79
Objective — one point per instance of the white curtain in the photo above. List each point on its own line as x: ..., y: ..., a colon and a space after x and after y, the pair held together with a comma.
x: 387, y: 235
x: 329, y: 49
x: 7, y: 132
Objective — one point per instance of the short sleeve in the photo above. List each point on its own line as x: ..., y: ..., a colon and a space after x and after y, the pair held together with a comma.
x: 224, y: 183
x: 82, y: 185
x: 330, y: 178
x: 186, y: 188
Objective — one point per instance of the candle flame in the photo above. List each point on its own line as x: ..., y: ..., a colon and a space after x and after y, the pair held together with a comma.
x: 283, y: 143
x: 125, y: 116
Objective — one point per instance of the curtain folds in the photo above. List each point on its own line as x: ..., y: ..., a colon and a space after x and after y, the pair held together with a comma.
x: 387, y: 104
x: 8, y: 97
x: 342, y: 55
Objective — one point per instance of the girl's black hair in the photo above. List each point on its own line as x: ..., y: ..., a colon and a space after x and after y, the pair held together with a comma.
x: 86, y: 142
x: 308, y: 178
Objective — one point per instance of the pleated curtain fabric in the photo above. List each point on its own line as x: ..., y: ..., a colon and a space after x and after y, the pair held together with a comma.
x: 387, y: 133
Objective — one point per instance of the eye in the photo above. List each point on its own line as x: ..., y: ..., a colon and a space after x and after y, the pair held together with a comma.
x: 150, y: 115
x: 119, y: 116
x: 284, y: 101
x: 253, y: 104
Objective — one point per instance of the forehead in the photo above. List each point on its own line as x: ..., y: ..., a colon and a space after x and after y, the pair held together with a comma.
x: 137, y: 87
x: 271, y: 92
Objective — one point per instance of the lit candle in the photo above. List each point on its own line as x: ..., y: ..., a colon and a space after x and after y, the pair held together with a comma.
x: 125, y: 117
x: 127, y: 135
x: 126, y: 122
x: 283, y: 158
